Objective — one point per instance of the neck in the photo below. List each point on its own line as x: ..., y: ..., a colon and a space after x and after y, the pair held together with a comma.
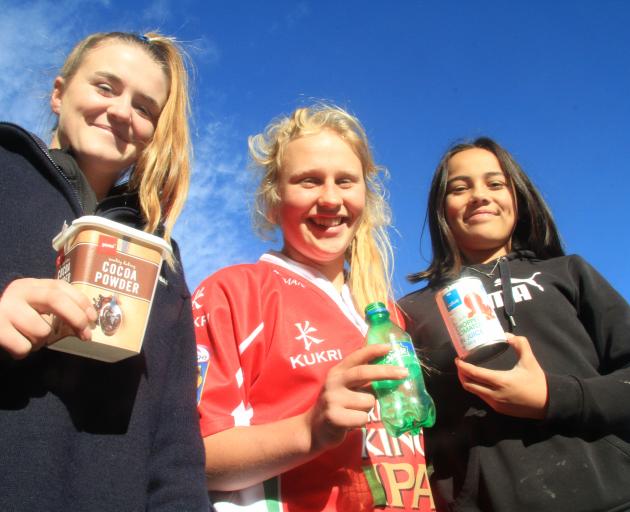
x: 332, y: 270
x: 100, y: 180
x: 101, y: 184
x: 488, y: 256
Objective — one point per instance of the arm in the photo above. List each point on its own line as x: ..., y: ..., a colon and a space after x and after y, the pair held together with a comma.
x: 26, y: 306
x: 176, y: 479
x: 594, y: 404
x: 582, y: 404
x: 242, y: 456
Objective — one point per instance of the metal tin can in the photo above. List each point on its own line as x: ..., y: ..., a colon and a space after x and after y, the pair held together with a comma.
x: 475, y: 330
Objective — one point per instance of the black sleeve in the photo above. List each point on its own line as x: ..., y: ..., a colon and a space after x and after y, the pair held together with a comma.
x: 597, y: 404
x: 176, y: 468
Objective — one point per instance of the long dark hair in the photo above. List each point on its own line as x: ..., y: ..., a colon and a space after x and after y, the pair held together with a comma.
x: 535, y: 228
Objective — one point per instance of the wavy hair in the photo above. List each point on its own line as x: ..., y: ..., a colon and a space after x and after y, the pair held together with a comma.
x: 162, y: 172
x: 535, y: 228
x: 369, y: 255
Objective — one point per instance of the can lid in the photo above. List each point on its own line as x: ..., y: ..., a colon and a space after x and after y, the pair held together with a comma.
x: 122, y: 230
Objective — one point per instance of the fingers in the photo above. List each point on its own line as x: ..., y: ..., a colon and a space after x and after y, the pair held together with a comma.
x: 366, y: 354
x: 520, y: 391
x: 66, y: 302
x: 25, y: 309
x: 471, y: 373
x: 521, y: 346
x: 14, y: 342
x: 62, y: 299
x: 348, y: 409
x: 356, y: 370
x: 22, y: 329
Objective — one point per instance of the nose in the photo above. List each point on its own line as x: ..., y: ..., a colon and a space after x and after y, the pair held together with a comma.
x: 120, y: 109
x: 479, y: 194
x: 330, y: 196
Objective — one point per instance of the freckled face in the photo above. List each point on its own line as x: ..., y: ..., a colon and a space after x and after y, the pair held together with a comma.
x: 480, y: 208
x: 109, y: 108
x: 322, y: 197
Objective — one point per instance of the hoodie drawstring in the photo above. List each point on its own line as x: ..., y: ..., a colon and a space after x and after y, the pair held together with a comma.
x: 506, y: 286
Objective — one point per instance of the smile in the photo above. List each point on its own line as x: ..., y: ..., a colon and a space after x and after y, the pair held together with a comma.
x: 479, y: 214
x: 112, y: 131
x: 327, y: 222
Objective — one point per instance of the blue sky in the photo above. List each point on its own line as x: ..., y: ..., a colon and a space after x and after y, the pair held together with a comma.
x: 548, y: 80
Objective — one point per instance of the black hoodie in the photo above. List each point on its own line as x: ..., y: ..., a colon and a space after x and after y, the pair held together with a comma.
x: 578, y: 457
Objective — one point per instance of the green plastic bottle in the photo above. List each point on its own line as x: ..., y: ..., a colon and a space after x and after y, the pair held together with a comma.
x: 405, y: 404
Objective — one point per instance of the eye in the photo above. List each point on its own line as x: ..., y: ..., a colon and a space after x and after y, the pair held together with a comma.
x: 309, y: 182
x: 456, y: 189
x: 496, y: 184
x: 144, y: 112
x: 104, y: 88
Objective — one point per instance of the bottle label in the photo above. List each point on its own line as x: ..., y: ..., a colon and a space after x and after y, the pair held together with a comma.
x: 402, y: 353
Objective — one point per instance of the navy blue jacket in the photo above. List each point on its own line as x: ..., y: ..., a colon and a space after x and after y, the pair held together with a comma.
x: 78, y: 434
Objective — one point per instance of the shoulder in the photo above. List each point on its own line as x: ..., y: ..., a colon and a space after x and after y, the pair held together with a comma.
x: 16, y: 139
x: 417, y: 297
x: 569, y: 263
x: 236, y: 274
x: 237, y: 278
x: 413, y: 304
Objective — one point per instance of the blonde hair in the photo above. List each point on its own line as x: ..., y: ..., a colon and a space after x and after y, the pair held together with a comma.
x: 369, y: 255
x: 162, y: 172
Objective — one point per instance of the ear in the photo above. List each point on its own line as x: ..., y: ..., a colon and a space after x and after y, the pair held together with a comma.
x: 272, y: 215
x: 56, y: 95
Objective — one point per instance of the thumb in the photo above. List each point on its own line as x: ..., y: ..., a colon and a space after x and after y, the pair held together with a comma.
x: 521, y: 346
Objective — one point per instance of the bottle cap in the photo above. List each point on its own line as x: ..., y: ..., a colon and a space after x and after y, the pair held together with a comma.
x: 375, y: 308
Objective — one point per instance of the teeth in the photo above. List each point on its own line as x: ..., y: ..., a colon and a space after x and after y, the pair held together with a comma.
x: 328, y: 222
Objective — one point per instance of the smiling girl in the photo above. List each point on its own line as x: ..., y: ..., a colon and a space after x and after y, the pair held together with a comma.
x: 544, y: 426
x: 79, y: 434
x: 286, y: 413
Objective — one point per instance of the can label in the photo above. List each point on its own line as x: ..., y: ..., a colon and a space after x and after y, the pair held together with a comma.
x: 119, y: 275
x: 469, y: 317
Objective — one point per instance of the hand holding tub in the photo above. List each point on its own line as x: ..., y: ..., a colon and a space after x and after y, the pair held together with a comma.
x: 26, y: 309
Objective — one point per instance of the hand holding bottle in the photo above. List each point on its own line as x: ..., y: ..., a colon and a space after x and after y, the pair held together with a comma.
x: 346, y: 399
x: 405, y: 404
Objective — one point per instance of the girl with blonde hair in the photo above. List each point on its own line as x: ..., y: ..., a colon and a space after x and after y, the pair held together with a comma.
x: 79, y: 434
x: 286, y: 413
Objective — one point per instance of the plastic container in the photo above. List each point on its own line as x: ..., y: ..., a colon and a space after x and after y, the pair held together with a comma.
x: 117, y: 268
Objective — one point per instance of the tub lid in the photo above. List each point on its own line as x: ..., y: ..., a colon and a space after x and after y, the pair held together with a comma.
x: 122, y: 230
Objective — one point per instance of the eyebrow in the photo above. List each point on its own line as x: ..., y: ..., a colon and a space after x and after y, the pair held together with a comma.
x: 116, y: 79
x: 344, y: 173
x: 486, y: 175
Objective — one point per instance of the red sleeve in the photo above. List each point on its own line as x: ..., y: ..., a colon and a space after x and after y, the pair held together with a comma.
x: 396, y: 315
x: 227, y: 315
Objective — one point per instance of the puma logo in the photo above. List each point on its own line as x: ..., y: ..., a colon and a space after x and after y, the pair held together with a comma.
x: 515, y: 280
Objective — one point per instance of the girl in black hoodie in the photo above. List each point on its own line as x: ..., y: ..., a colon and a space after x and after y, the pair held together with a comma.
x: 543, y: 426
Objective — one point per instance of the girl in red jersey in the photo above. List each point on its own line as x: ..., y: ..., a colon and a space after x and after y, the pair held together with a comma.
x: 286, y: 413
